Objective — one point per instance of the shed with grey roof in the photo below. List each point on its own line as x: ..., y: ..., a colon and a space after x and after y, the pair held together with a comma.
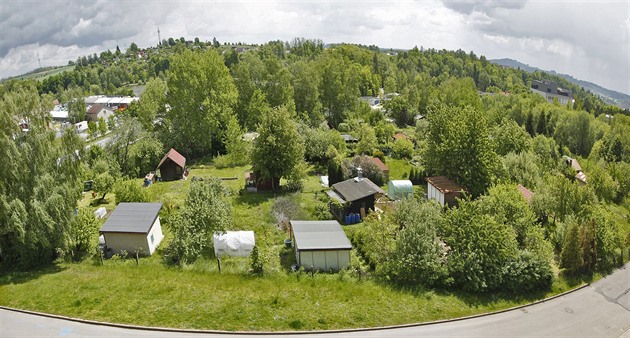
x: 133, y: 227
x: 320, y: 245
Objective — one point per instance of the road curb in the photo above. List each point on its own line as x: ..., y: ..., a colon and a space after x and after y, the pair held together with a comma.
x: 166, y: 329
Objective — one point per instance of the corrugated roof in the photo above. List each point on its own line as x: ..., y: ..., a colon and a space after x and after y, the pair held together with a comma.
x: 319, y: 235
x: 380, y: 164
x: 354, y: 189
x: 175, y: 157
x: 348, y: 138
x: 132, y: 218
x: 95, y: 109
x: 444, y: 184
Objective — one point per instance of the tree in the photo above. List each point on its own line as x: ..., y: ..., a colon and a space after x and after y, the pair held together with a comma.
x: 122, y: 140
x: 418, y: 257
x: 575, y: 130
x: 317, y: 143
x: 459, y: 146
x: 207, y: 210
x: 201, y: 95
x: 571, y: 256
x: 237, y: 148
x: 278, y: 149
x: 370, y: 170
x: 144, y: 155
x: 103, y: 183
x: 76, y: 110
x: 83, y: 232
x: 367, y: 140
x: 130, y: 191
x: 152, y: 103
x: 510, y: 137
x: 102, y: 126
x: 402, y: 148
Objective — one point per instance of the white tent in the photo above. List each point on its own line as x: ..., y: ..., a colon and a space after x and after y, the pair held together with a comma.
x: 100, y: 212
x: 397, y: 189
x: 234, y: 243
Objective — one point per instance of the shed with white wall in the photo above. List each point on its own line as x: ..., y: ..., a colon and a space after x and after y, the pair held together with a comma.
x: 321, y: 245
x: 443, y: 190
x: 132, y: 227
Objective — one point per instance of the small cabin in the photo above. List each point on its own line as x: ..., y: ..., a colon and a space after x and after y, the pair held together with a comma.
x: 443, y: 190
x: 172, y: 166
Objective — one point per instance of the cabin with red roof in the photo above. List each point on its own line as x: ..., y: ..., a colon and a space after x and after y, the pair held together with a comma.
x: 443, y: 190
x: 382, y: 166
x: 172, y: 166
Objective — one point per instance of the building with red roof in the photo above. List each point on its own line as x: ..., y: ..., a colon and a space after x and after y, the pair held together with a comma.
x: 172, y: 166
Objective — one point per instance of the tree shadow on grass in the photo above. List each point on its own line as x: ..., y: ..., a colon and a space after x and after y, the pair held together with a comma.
x: 257, y: 198
x: 14, y: 276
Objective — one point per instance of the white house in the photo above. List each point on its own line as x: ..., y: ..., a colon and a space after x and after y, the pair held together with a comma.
x: 99, y: 111
x: 132, y: 227
x: 320, y: 245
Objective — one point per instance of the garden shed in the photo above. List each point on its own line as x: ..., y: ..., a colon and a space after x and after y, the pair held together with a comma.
x: 233, y: 243
x: 172, y: 166
x: 132, y: 227
x: 443, y: 190
x: 384, y: 168
x: 398, y: 189
x: 353, y: 196
x: 320, y: 245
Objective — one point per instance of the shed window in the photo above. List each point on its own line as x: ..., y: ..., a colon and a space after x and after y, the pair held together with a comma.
x: 152, y: 239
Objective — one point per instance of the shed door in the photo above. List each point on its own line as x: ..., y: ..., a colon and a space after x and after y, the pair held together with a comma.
x: 332, y: 261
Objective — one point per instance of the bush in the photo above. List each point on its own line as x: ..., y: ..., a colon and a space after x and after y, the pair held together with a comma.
x: 370, y: 169
x: 402, y: 148
x: 130, y: 191
x: 528, y: 272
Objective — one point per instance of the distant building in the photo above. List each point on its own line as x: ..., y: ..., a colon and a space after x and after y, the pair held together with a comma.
x: 580, y: 176
x: 550, y: 91
x: 99, y: 111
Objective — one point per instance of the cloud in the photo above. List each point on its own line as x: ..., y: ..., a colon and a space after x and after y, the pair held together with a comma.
x: 586, y: 39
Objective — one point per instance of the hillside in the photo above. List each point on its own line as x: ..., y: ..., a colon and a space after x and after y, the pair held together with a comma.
x: 609, y: 96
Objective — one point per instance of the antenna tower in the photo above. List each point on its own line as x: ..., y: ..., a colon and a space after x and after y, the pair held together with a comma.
x: 159, y: 38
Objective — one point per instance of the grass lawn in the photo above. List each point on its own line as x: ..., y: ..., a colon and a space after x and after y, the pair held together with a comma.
x: 199, y: 296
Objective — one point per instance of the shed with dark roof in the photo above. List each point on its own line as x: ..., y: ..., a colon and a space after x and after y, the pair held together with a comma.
x: 443, y: 190
x: 172, y: 166
x: 356, y: 196
x: 133, y: 227
x: 320, y: 245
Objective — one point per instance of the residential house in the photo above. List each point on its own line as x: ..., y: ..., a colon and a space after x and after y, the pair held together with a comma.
x: 550, y: 91
x: 99, y: 111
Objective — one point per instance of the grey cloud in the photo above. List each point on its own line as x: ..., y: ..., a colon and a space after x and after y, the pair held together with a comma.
x: 469, y: 6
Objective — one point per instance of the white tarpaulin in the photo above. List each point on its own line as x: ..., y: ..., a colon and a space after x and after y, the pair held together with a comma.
x: 234, y: 243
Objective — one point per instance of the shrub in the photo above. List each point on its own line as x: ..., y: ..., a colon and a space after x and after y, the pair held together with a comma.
x: 130, y: 191
x: 402, y: 148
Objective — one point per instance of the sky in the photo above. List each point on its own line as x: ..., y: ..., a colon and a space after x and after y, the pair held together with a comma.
x: 589, y: 40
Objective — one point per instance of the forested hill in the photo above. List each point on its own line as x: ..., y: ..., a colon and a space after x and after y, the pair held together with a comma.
x: 609, y: 96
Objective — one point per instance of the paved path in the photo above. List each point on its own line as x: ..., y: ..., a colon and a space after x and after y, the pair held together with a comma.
x: 599, y: 310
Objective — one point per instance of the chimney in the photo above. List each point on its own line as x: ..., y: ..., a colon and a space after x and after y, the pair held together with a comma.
x: 359, y: 174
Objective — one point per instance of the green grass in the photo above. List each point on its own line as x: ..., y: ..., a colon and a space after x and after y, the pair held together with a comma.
x: 201, y: 298
x: 44, y: 74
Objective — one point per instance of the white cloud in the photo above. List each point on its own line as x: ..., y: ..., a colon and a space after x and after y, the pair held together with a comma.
x: 586, y: 39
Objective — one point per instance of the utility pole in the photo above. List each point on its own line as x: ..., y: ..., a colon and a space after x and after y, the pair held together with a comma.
x: 159, y: 38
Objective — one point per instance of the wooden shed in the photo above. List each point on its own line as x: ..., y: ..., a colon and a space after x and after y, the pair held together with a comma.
x: 133, y: 227
x: 172, y: 166
x: 320, y: 245
x: 443, y: 190
x: 356, y: 196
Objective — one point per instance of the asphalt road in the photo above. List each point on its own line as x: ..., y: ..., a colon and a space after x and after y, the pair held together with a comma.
x: 599, y: 310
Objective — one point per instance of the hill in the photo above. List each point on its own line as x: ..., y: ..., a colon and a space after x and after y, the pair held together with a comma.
x: 609, y: 96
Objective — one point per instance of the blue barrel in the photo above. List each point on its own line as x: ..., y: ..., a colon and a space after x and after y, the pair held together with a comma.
x: 358, y: 218
x: 355, y: 218
x: 347, y: 218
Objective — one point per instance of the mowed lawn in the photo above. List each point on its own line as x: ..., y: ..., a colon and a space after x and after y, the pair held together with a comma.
x: 198, y: 296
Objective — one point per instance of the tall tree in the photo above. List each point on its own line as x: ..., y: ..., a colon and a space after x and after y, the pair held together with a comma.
x: 201, y: 95
x: 278, y: 149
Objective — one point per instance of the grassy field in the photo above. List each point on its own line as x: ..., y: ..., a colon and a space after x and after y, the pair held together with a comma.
x: 199, y: 296
x: 44, y: 74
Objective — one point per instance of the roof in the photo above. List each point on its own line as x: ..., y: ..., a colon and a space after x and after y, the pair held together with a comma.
x: 175, y: 157
x: 401, y: 135
x: 132, y: 218
x: 527, y: 194
x: 319, y: 235
x: 380, y: 164
x: 95, y: 109
x: 59, y: 114
x: 348, y: 138
x: 444, y: 184
x: 355, y: 189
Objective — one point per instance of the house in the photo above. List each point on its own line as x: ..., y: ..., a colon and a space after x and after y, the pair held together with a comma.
x: 354, y: 196
x: 99, y: 111
x: 172, y: 166
x: 133, y: 227
x: 527, y: 194
x: 384, y: 168
x: 579, y: 176
x: 81, y: 126
x: 398, y: 189
x: 443, y: 190
x: 550, y: 91
x: 320, y: 245
x: 349, y: 138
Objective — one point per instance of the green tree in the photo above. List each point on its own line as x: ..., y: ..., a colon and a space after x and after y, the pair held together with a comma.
x: 122, y: 140
x: 83, y: 233
x: 575, y: 130
x: 418, y: 257
x: 152, y: 103
x: 207, y: 210
x: 130, y: 191
x: 459, y: 146
x: 144, y: 156
x: 510, y: 137
x: 278, y: 149
x: 76, y: 110
x: 571, y: 255
x: 102, y: 126
x: 201, y: 95
x: 402, y: 148
x: 367, y: 140
x: 236, y: 147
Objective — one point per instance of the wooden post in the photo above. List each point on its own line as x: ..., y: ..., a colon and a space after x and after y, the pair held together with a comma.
x: 137, y: 258
x: 219, y: 263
